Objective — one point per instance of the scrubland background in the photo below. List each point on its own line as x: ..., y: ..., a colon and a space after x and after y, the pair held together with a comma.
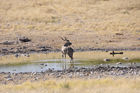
x: 87, y: 23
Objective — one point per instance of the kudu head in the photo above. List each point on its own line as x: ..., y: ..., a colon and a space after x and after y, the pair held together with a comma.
x: 67, y: 42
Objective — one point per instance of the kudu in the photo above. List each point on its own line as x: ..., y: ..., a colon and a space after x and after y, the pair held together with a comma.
x: 67, y: 49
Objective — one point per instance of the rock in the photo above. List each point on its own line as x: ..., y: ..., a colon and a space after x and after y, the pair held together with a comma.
x: 49, y: 70
x: 81, y: 75
x: 132, y: 64
x: 125, y: 58
x: 36, y: 78
x: 57, y: 76
x: 70, y: 75
x: 100, y: 65
x: 118, y: 34
x: 42, y: 64
x: 118, y: 63
x: 4, y: 49
x: 33, y: 73
x: 17, y: 55
x: 24, y: 39
x: 91, y: 72
x: 106, y: 59
x: 7, y: 43
x: 9, y: 79
x: 44, y: 48
x: 9, y: 76
x: 138, y: 38
x: 27, y: 55
x: 15, y: 74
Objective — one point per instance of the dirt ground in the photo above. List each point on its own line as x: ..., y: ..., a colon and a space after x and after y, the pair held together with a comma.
x: 90, y: 24
x: 71, y: 73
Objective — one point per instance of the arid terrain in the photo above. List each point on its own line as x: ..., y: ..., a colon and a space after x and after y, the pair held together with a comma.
x: 31, y: 31
x: 90, y: 24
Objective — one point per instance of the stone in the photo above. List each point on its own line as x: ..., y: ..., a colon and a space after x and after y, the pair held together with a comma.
x: 24, y: 39
x: 42, y: 64
x: 118, y: 63
x: 36, y: 78
x: 125, y: 58
x: 9, y: 76
x: 106, y: 59
x: 9, y: 79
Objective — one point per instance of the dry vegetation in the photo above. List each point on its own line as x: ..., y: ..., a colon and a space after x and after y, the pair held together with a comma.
x: 87, y: 23
x: 103, y: 85
x: 94, y: 56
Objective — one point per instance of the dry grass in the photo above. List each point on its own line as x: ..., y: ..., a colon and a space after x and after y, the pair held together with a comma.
x: 103, y: 85
x: 86, y: 23
x: 102, y: 55
x: 87, y: 56
x: 11, y: 59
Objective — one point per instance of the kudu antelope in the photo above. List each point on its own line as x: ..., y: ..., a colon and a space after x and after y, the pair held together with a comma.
x: 67, y: 49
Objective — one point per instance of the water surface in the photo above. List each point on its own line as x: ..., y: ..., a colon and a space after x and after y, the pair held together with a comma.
x: 53, y: 61
x: 55, y: 64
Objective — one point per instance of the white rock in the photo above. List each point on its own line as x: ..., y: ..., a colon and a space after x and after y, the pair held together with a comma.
x: 125, y: 58
x: 106, y: 59
x: 118, y: 63
x: 8, y: 79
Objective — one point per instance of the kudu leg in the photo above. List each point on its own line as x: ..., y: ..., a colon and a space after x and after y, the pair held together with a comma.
x: 64, y: 60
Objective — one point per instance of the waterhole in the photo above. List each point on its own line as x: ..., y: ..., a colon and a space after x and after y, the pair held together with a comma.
x: 81, y: 59
x: 56, y: 64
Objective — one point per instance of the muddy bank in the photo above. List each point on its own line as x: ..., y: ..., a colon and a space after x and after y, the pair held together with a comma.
x: 84, y: 73
x: 45, y: 49
x: 28, y: 45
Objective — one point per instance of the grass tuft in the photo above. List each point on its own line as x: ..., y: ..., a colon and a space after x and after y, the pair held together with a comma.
x: 106, y: 85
